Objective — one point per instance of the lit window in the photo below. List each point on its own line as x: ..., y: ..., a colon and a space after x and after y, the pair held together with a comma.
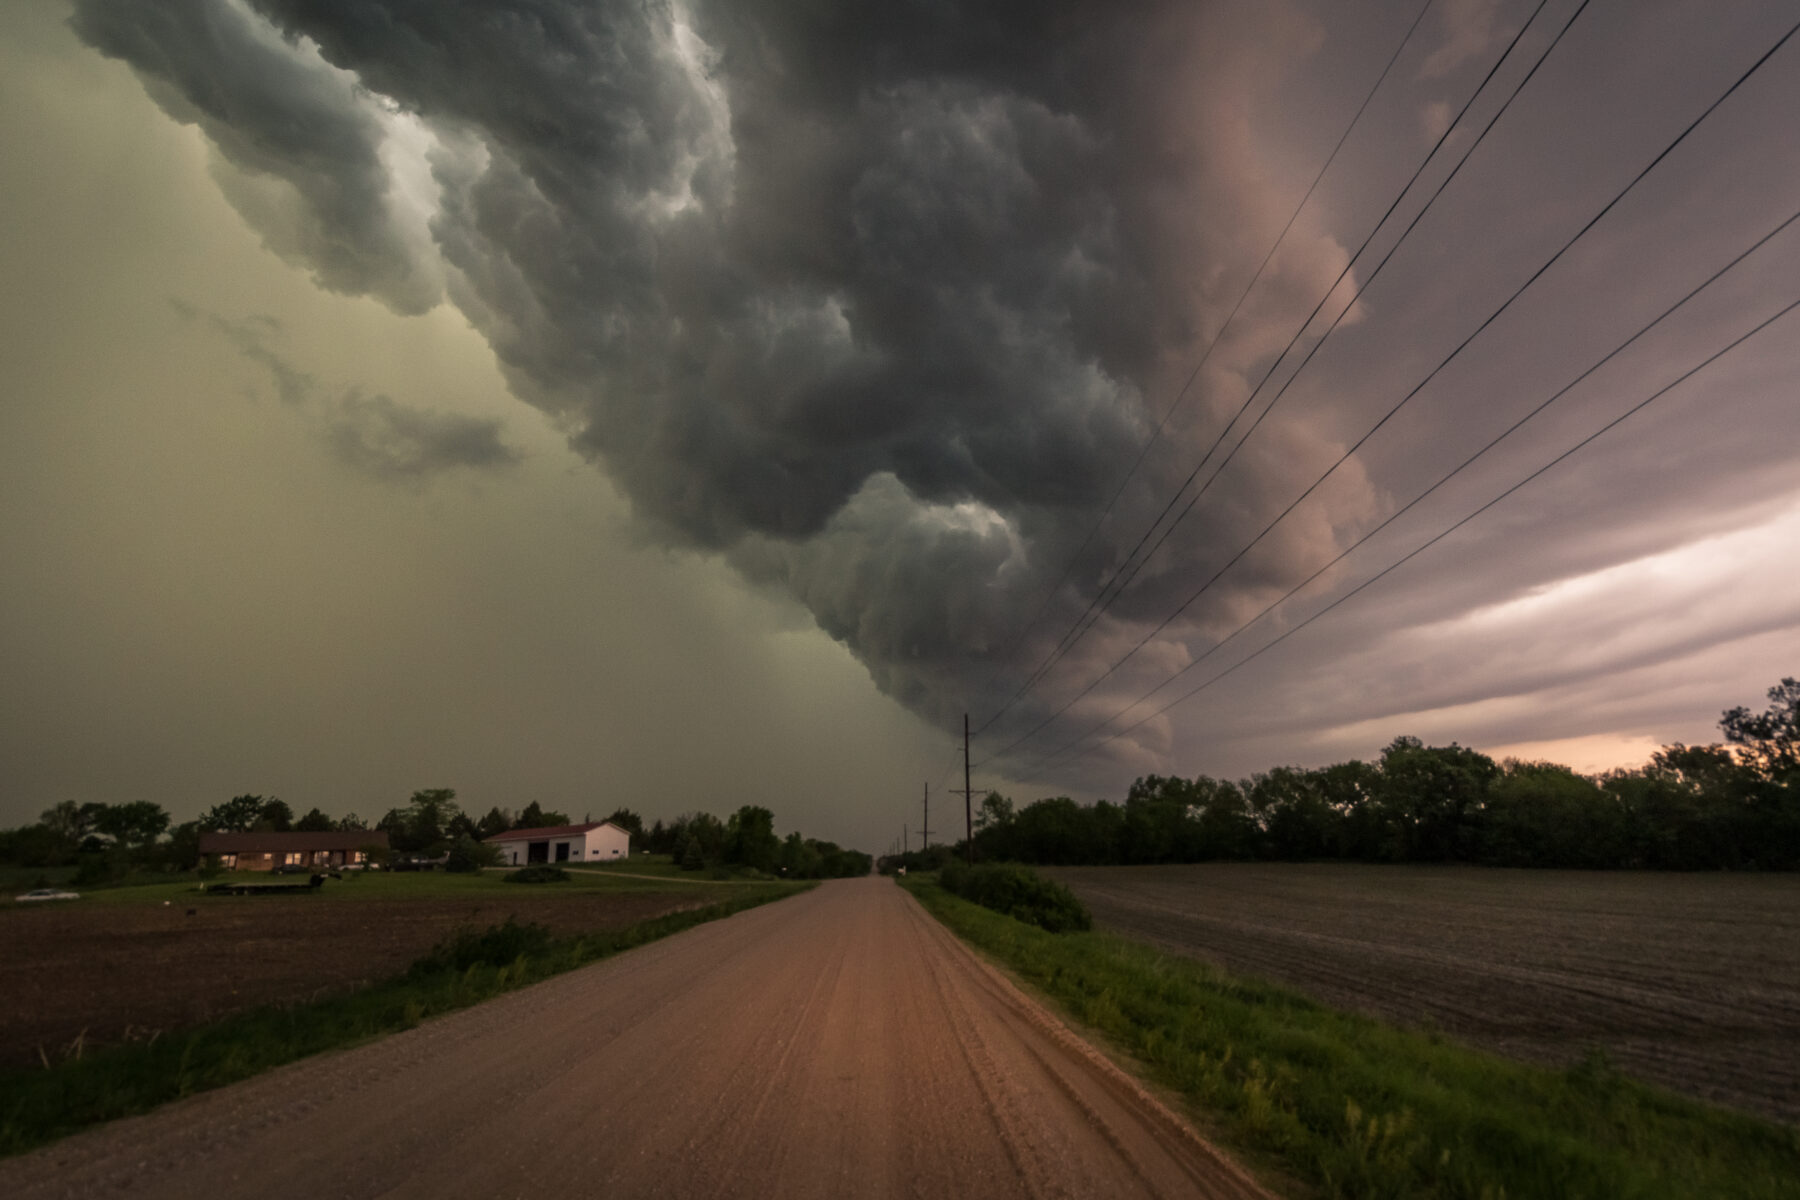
x: 295, y: 858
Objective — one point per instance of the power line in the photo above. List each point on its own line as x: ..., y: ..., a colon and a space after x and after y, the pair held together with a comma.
x: 1464, y: 344
x: 1415, y: 501
x: 1181, y: 395
x: 1609, y: 426
x: 1101, y: 601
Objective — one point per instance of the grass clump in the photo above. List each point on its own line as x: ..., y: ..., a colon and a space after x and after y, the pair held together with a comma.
x: 496, y: 946
x: 39, y: 1106
x: 538, y: 875
x: 1350, y: 1107
x: 1020, y: 893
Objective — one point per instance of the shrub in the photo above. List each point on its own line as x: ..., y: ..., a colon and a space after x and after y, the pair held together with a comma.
x: 538, y: 874
x: 1020, y: 893
x: 495, y: 946
x: 468, y: 855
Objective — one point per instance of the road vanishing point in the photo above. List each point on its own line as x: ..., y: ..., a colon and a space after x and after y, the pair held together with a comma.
x: 840, y: 1043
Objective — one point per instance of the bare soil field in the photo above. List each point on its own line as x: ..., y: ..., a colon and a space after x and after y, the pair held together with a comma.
x: 1689, y: 981
x: 101, y: 974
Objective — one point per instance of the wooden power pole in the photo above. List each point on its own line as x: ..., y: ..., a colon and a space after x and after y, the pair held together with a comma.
x: 968, y: 792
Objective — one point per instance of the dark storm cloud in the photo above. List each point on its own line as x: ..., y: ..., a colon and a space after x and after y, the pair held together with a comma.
x: 881, y: 303
x: 302, y: 148
x: 398, y: 442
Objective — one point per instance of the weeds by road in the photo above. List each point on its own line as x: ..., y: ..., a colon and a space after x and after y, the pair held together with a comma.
x: 40, y: 1106
x: 1356, y: 1108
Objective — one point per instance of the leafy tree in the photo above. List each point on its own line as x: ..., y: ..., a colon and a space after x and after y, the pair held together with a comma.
x: 67, y: 822
x: 37, y: 845
x: 1298, y: 817
x: 469, y: 855
x: 135, y: 824
x: 708, y: 831
x: 350, y: 823
x: 1769, y: 741
x: 274, y: 816
x: 693, y: 858
x: 1545, y: 815
x: 996, y: 812
x: 750, y: 838
x: 314, y: 822
x: 428, y: 818
x: 630, y: 822
x: 237, y: 815
x: 497, y: 820
x: 1226, y: 827
x: 1430, y: 793
x: 535, y: 816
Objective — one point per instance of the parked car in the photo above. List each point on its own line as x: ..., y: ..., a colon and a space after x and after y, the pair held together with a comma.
x: 47, y: 894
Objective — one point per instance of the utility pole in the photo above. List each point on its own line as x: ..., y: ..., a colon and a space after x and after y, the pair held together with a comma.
x: 967, y: 793
x: 905, y: 841
x: 925, y: 833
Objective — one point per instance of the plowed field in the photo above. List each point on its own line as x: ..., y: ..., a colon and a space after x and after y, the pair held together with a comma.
x: 85, y: 975
x: 1689, y: 981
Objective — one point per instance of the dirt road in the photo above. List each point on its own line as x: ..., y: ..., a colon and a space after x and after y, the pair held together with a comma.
x: 837, y: 1044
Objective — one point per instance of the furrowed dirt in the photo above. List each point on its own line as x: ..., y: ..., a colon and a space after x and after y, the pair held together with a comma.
x: 1685, y: 980
x: 78, y: 976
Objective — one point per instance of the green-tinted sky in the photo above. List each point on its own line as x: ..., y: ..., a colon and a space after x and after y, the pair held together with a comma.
x: 827, y: 344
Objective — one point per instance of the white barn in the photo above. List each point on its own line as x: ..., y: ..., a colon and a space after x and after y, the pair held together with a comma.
x: 595, y: 841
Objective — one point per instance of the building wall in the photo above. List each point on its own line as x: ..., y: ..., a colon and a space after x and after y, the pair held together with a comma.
x: 604, y: 844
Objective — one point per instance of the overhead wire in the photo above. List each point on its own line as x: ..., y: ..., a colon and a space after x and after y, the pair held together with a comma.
x: 1415, y: 391
x: 1386, y: 258
x: 1416, y: 500
x: 1604, y: 429
x: 1182, y: 394
x: 1101, y: 599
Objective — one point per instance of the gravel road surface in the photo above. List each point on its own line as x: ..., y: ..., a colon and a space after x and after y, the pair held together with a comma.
x: 837, y: 1044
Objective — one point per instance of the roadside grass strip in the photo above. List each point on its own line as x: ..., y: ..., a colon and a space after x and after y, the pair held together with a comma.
x: 39, y: 1106
x: 1347, y: 1106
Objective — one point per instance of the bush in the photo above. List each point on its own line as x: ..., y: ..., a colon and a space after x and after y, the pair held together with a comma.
x: 1020, y: 893
x: 468, y: 855
x: 538, y: 875
x: 495, y: 946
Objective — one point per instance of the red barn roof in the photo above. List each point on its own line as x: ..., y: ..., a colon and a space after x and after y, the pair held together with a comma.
x: 551, y: 831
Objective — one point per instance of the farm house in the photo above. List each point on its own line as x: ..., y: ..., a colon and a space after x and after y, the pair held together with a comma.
x: 593, y: 841
x: 266, y: 851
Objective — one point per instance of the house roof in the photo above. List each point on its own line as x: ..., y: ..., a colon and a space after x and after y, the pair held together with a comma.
x: 287, y: 843
x: 551, y: 831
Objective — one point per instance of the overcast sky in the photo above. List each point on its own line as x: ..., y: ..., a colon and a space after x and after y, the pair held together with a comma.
x: 682, y: 405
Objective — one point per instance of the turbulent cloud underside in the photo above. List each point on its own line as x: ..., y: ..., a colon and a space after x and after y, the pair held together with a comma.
x: 881, y: 305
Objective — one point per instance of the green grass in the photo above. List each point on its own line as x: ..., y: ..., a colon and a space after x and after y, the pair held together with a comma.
x: 39, y: 1106
x: 379, y: 885
x: 664, y: 866
x: 14, y: 879
x: 1351, y: 1107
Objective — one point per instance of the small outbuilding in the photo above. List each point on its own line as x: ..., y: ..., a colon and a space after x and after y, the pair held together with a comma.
x: 593, y: 841
x: 267, y: 851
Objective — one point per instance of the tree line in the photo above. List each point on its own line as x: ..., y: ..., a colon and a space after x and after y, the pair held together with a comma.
x: 112, y: 841
x: 1730, y: 806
